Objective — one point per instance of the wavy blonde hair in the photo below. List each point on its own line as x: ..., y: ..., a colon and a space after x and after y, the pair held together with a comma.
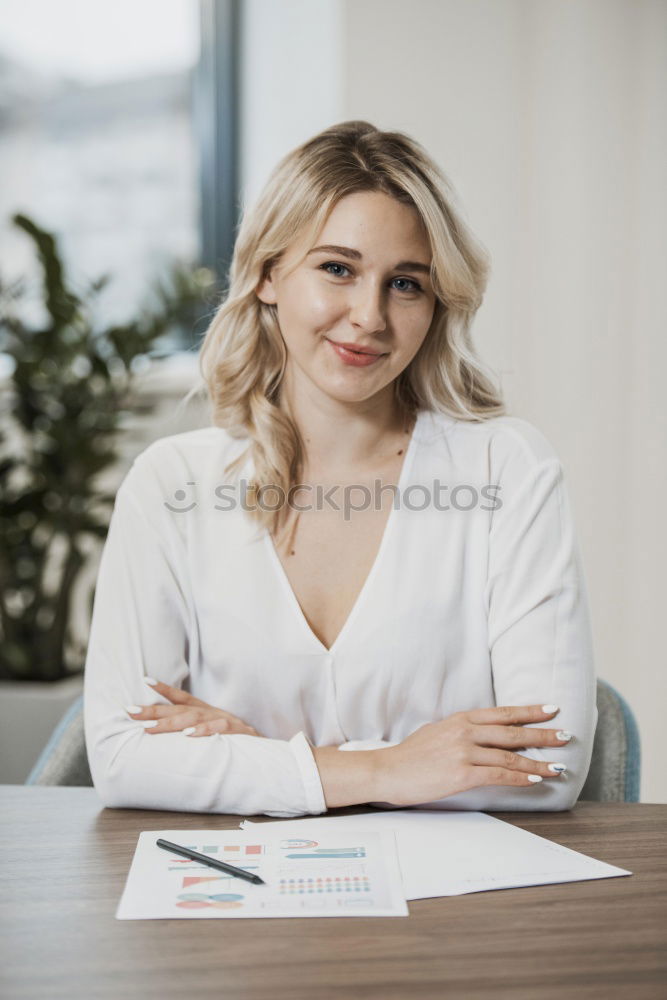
x: 242, y: 358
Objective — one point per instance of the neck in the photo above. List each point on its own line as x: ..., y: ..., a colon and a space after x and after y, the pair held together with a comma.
x: 344, y: 439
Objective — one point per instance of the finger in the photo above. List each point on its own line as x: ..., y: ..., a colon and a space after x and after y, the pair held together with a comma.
x: 518, y: 737
x: 505, y: 776
x: 174, y: 694
x: 176, y: 724
x: 155, y: 720
x: 223, y: 726
x: 134, y: 709
x: 516, y: 762
x: 234, y: 721
x: 511, y: 714
x: 164, y: 712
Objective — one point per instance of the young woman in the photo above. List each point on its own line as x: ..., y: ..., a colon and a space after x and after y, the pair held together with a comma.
x: 363, y: 552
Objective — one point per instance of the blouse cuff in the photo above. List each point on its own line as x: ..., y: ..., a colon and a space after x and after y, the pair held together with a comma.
x: 310, y: 776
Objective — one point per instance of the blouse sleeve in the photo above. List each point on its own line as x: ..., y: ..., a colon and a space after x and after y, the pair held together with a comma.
x: 539, y: 636
x: 140, y: 627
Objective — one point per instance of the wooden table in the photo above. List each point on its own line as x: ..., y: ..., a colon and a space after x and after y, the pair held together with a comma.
x: 65, y: 860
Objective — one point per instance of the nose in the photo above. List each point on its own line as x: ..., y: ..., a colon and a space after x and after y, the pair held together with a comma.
x: 368, y: 308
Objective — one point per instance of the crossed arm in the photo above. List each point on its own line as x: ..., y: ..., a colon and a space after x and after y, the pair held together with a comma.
x: 464, y: 752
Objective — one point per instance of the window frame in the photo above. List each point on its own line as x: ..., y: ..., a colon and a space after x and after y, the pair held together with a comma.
x: 216, y: 116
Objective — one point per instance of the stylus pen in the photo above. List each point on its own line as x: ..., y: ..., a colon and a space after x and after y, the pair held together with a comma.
x: 212, y: 862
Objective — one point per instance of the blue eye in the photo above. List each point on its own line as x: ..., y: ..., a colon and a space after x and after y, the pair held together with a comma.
x: 414, y: 286
x: 333, y: 263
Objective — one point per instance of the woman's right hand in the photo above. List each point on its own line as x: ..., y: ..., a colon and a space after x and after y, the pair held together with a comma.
x: 463, y: 751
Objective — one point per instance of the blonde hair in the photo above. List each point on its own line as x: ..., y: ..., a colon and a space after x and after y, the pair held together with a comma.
x: 243, y: 355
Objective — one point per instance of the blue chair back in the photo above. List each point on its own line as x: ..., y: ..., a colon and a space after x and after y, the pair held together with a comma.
x: 615, y: 771
x: 64, y: 760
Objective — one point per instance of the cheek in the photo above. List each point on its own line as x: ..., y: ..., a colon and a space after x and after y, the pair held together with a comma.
x: 413, y: 326
x: 311, y: 305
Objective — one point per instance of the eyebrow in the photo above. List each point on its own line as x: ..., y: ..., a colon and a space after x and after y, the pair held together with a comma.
x: 403, y: 265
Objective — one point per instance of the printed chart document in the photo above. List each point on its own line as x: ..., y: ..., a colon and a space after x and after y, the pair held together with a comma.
x: 449, y: 853
x: 343, y: 873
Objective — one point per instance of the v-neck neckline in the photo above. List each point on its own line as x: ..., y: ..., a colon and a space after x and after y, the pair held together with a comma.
x: 361, y: 596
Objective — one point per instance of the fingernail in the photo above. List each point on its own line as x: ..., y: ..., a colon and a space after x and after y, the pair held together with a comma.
x: 557, y: 768
x: 150, y: 680
x: 534, y: 777
x: 152, y: 722
x: 549, y: 709
x: 132, y: 709
x: 189, y: 730
x: 563, y: 734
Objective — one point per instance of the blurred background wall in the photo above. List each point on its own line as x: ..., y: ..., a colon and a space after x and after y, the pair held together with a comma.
x: 548, y: 118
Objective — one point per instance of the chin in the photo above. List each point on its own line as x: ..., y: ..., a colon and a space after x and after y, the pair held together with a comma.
x: 349, y: 396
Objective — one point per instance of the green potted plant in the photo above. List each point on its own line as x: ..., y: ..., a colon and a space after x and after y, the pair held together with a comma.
x: 70, y: 388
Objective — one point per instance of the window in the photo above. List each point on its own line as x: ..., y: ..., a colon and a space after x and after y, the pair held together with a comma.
x: 111, y: 127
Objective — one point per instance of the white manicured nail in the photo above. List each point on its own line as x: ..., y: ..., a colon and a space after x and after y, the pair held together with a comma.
x: 150, y: 680
x: 557, y: 768
x: 563, y: 734
x: 534, y: 777
x: 548, y: 709
x: 151, y: 722
x: 132, y: 709
x: 189, y: 730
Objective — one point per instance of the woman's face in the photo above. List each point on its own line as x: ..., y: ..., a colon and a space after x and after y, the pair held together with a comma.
x: 364, y: 282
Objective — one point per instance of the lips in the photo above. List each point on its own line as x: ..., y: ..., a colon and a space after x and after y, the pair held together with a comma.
x: 356, y: 356
x: 357, y: 349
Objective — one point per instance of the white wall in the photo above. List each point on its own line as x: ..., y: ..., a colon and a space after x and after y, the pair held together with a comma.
x: 291, y: 80
x: 549, y: 120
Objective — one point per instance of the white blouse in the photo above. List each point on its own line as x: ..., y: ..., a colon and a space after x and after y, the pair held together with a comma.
x: 476, y: 598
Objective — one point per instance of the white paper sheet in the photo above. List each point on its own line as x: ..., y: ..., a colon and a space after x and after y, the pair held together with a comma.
x: 341, y: 873
x: 450, y: 853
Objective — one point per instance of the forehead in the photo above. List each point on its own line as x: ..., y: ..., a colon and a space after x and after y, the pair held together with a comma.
x: 375, y: 219
x: 373, y: 223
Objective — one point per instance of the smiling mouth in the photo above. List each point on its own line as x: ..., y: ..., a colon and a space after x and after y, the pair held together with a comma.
x: 353, y: 358
x: 357, y: 350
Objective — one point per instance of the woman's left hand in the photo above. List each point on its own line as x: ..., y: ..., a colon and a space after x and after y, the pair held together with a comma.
x: 187, y: 714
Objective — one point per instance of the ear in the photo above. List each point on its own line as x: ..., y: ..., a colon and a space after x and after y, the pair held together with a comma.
x: 266, y: 290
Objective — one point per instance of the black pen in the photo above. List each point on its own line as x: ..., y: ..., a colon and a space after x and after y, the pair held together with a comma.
x: 213, y: 862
